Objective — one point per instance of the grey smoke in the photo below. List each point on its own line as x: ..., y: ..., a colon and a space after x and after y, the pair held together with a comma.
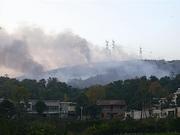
x: 70, y: 58
x: 56, y: 50
x: 15, y: 55
x: 30, y: 50
x: 72, y: 47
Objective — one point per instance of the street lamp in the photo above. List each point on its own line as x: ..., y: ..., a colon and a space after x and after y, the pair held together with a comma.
x: 81, y: 112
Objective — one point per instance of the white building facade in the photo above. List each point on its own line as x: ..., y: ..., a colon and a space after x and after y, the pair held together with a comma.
x: 54, y: 107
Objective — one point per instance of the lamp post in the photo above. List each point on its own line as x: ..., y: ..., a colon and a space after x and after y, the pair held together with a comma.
x: 81, y: 112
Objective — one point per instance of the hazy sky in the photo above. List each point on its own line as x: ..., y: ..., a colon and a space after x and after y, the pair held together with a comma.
x: 152, y: 24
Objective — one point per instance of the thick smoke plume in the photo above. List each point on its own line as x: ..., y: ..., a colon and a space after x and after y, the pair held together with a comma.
x: 14, y: 54
x: 32, y: 51
x: 56, y: 50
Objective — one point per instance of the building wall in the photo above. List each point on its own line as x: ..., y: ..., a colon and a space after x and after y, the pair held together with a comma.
x: 169, y: 112
x: 140, y: 114
x: 112, y: 111
x: 178, y: 112
x: 54, y: 107
x: 156, y: 113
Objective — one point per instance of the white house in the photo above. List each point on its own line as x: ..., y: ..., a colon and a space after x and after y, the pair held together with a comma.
x: 67, y: 109
x: 156, y: 113
x: 175, y: 96
x: 112, y: 109
x: 137, y: 114
x: 54, y: 107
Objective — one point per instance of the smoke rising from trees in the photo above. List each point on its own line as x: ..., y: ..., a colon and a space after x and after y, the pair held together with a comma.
x: 14, y: 54
x: 31, y: 50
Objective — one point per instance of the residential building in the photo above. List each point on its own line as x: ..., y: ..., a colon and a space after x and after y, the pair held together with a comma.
x: 176, y: 94
x: 137, y: 114
x: 55, y: 107
x: 111, y: 109
x: 67, y: 109
x: 169, y: 112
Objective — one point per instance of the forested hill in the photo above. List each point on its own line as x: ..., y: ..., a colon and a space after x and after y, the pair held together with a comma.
x: 133, y: 91
x: 102, y: 73
x: 129, y: 70
x: 172, y: 66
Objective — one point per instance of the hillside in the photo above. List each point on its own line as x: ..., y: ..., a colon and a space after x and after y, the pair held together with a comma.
x: 106, y: 72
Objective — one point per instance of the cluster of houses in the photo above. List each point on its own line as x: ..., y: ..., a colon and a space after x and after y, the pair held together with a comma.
x: 173, y: 110
x: 110, y: 109
x: 113, y: 109
x: 158, y: 109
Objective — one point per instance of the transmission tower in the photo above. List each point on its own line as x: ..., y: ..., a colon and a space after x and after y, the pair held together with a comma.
x: 108, y: 51
x: 113, y: 44
x: 140, y: 53
x: 107, y: 45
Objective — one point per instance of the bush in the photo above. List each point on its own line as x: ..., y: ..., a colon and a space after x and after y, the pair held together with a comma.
x: 41, y: 128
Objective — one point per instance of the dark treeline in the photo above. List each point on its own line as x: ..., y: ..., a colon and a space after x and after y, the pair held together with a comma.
x: 33, y: 89
x: 133, y: 91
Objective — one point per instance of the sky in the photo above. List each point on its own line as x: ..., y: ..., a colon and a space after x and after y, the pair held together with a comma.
x: 153, y: 25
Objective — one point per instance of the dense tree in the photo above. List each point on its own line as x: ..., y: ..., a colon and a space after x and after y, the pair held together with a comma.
x: 157, y: 90
x: 20, y: 94
x: 40, y: 107
x: 133, y: 91
x: 95, y: 93
x: 41, y: 128
x: 178, y: 101
x: 153, y: 78
x: 7, y: 109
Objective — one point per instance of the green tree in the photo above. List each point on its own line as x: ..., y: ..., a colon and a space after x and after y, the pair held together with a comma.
x: 157, y: 90
x: 153, y: 78
x: 20, y: 94
x: 95, y: 93
x: 7, y: 109
x: 41, y: 128
x: 178, y: 101
x: 20, y: 97
x: 40, y: 107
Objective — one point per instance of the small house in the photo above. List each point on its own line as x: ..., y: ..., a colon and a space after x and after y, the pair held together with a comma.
x: 111, y: 109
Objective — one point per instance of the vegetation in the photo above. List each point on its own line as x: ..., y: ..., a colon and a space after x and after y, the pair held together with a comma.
x: 131, y: 90
x: 40, y: 107
x: 32, y: 126
x: 7, y: 109
x: 136, y: 92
